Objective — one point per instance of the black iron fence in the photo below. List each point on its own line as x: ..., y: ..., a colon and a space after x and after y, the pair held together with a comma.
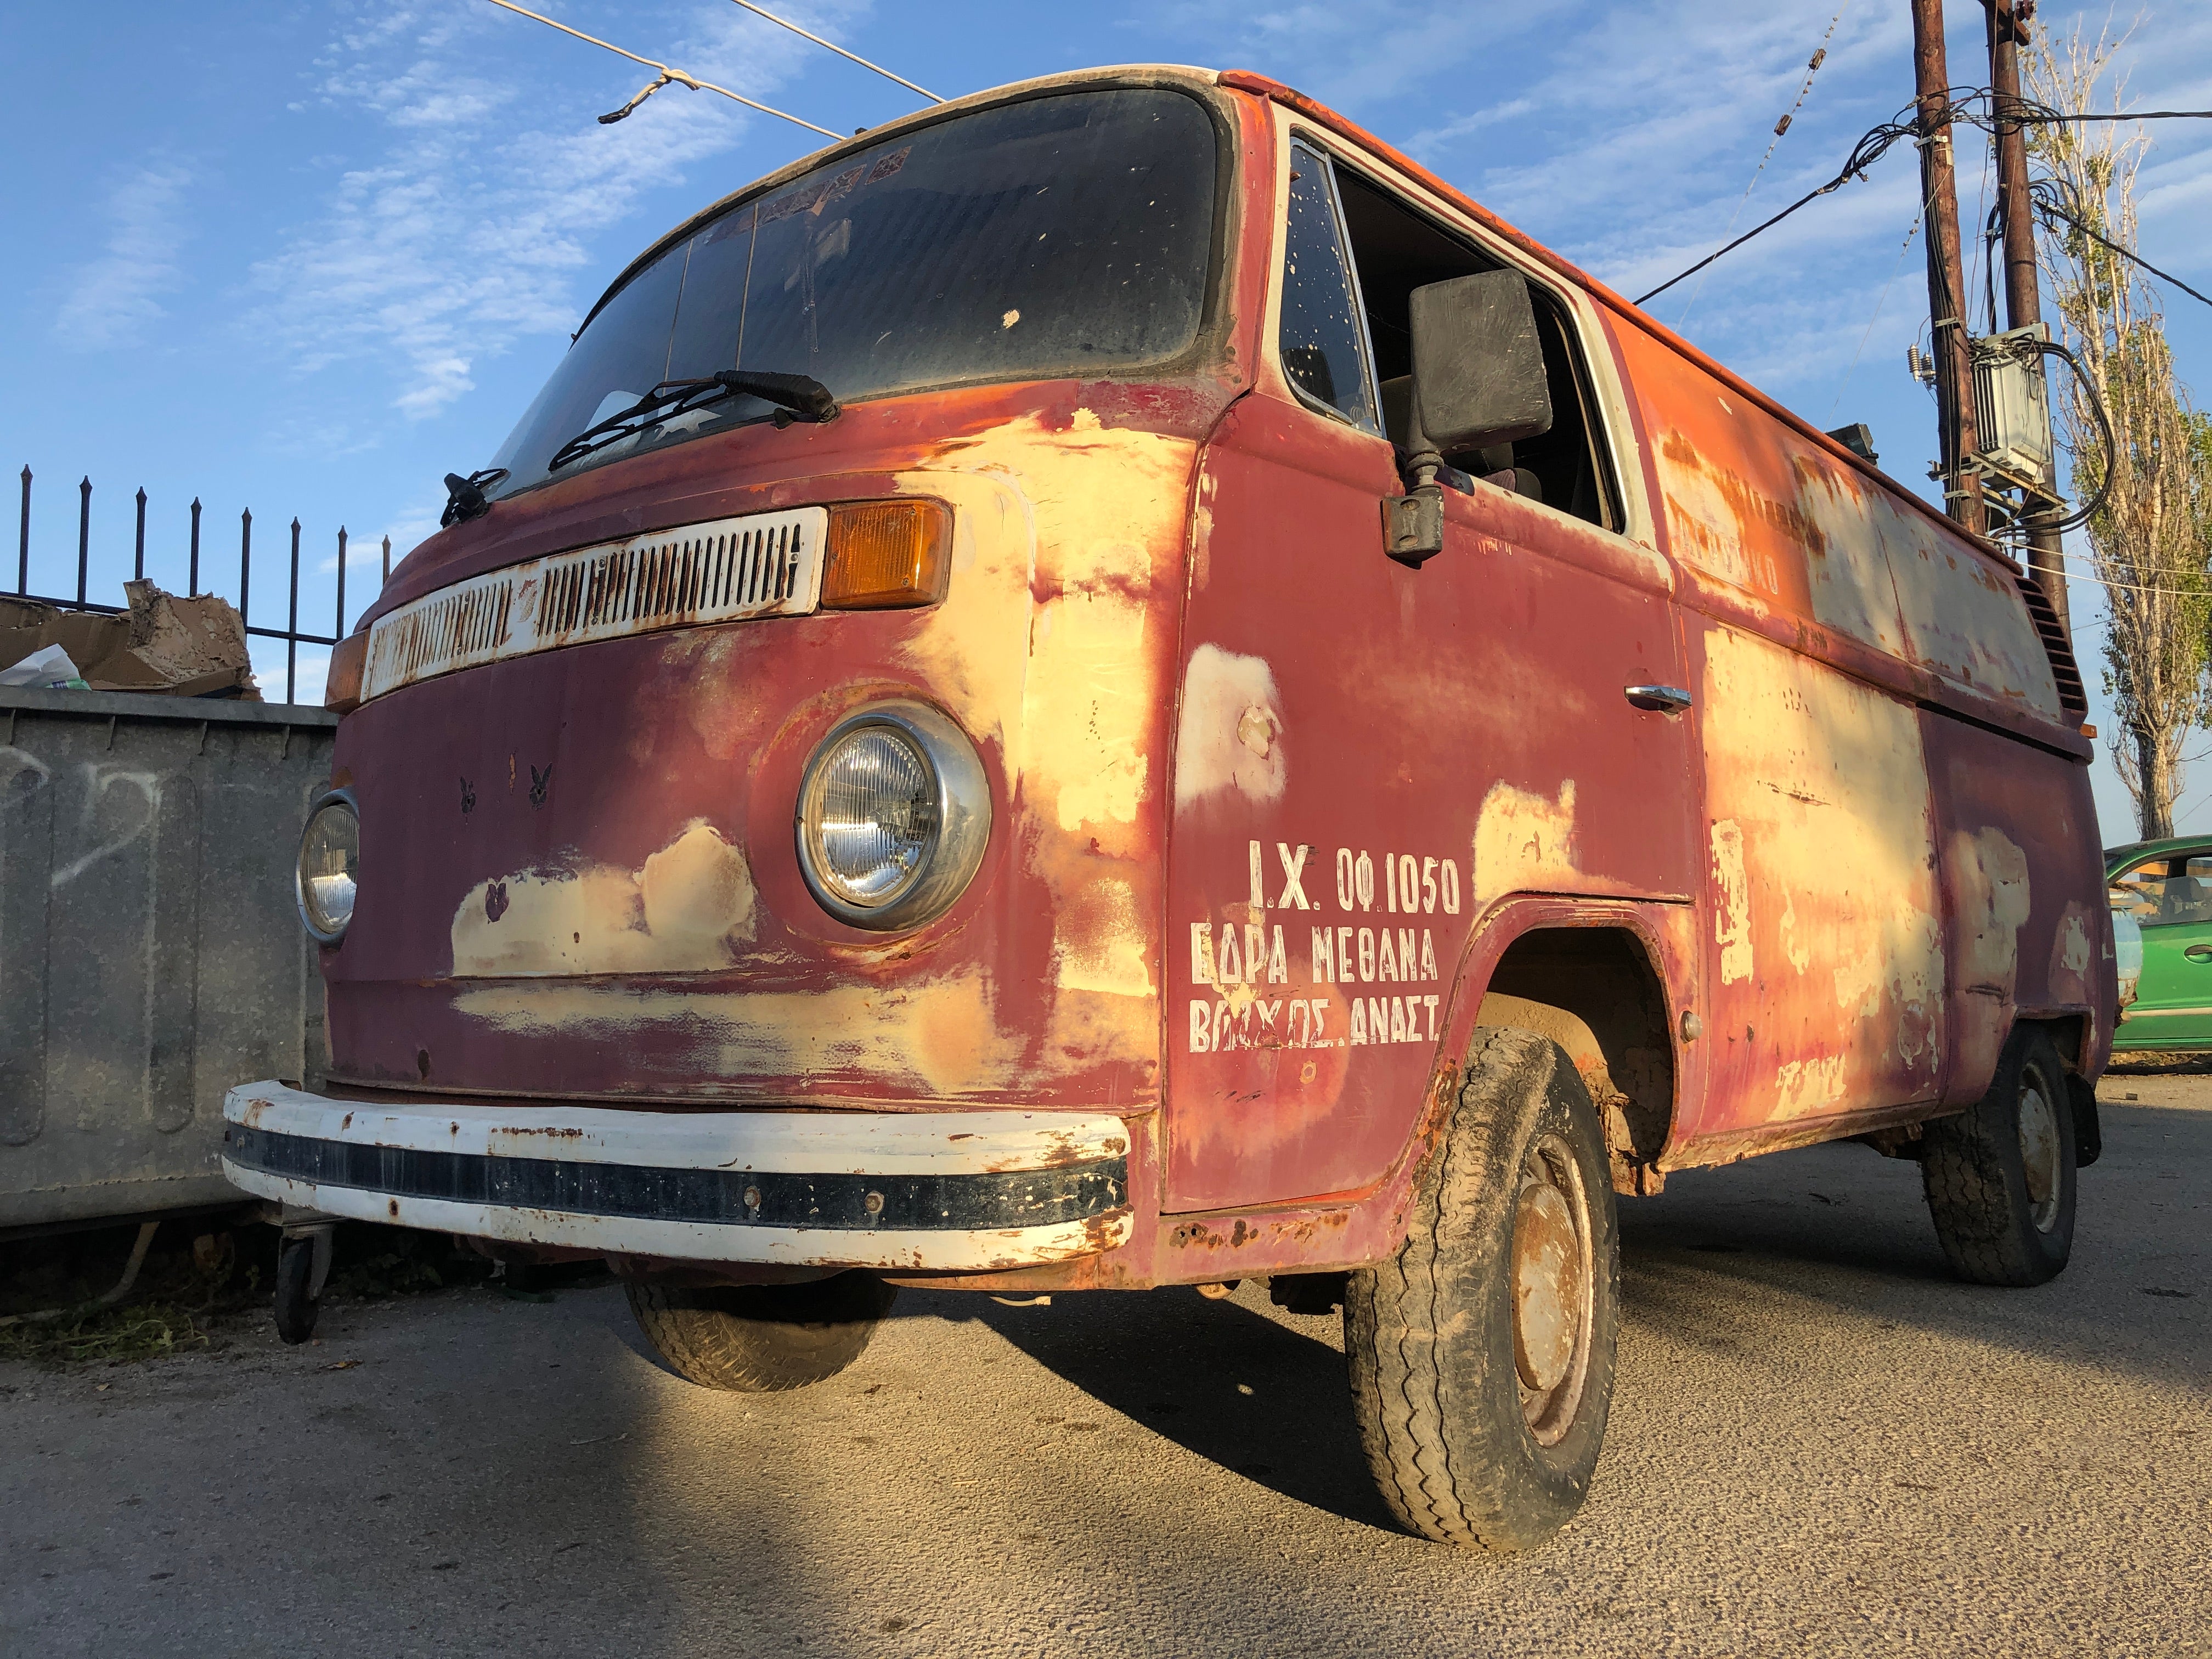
x: 293, y: 635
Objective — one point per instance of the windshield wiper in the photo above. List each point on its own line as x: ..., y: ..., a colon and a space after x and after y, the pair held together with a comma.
x: 797, y: 398
x: 465, y: 498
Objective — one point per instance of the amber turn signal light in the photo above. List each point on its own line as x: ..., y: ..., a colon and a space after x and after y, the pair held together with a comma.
x: 341, y: 684
x: 886, y: 556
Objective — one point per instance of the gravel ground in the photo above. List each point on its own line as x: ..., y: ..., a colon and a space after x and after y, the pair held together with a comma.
x: 1821, y: 1445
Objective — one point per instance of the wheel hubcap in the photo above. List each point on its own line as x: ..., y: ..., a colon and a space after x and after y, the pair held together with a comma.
x: 2039, y: 1156
x: 1551, y: 1289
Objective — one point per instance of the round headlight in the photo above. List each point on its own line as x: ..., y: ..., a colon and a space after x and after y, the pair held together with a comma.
x: 329, y: 866
x: 893, y: 813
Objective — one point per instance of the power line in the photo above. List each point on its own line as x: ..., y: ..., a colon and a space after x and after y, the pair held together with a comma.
x: 1959, y: 109
x: 2045, y: 195
x: 1910, y: 231
x: 2131, y: 587
x: 1864, y: 154
x: 1812, y: 68
x: 2052, y: 117
x: 665, y: 77
x: 785, y: 22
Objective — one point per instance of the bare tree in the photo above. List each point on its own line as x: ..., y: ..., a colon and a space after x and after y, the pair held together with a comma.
x: 2149, y: 540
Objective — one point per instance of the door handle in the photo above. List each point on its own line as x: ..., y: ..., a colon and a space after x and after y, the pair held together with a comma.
x: 2199, y: 953
x: 1657, y: 699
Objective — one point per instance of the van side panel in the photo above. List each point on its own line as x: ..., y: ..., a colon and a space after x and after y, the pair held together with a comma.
x: 2030, y: 930
x: 1824, y: 949
x: 1890, y: 885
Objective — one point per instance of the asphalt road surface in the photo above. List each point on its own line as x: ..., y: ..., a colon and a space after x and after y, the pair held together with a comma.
x: 1821, y: 1445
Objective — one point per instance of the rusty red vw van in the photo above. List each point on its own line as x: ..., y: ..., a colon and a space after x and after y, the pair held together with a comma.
x: 1111, y: 685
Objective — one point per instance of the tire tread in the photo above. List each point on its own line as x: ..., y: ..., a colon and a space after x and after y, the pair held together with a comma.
x: 1401, y: 1387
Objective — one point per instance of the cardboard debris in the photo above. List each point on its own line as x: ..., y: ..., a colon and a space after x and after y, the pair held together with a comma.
x: 172, y: 647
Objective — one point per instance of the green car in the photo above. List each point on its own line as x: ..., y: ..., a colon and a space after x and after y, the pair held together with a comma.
x: 2165, y: 887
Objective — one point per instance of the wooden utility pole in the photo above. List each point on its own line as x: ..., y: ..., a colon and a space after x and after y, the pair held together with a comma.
x: 1947, y: 304
x: 2007, y: 31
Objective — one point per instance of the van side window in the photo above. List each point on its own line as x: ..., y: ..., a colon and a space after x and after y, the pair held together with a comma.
x: 1324, y: 357
x: 1396, y: 250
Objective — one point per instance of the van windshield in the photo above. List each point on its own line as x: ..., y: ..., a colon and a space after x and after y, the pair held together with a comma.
x: 1062, y: 235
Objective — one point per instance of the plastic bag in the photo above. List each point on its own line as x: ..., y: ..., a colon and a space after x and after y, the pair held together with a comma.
x: 49, y: 670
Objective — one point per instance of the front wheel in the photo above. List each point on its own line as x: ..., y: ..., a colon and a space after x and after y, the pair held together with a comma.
x: 762, y: 1339
x: 1999, y: 1176
x: 1482, y: 1355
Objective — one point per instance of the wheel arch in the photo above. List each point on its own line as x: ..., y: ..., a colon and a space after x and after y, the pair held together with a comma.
x: 1596, y: 978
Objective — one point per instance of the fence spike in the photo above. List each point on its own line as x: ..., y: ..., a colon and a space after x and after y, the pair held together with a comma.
x: 23, y: 556
x: 83, y: 535
x: 138, y: 564
x: 292, y: 624
x: 338, y: 632
x: 192, y: 586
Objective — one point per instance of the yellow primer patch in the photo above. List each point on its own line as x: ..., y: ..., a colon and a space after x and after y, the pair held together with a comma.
x: 940, y: 1037
x: 1229, y: 736
x: 1732, y: 906
x: 1795, y: 944
x: 684, y: 911
x: 1849, y: 575
x: 1818, y: 787
x: 1807, y: 1088
x: 1072, y: 691
x: 1522, y: 841
x: 2070, y: 956
x: 1989, y: 882
x: 1082, y: 655
x: 1099, y: 942
x: 1701, y: 522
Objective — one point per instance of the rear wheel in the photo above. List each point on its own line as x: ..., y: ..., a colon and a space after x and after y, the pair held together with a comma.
x: 761, y: 1339
x: 1999, y: 1176
x: 1482, y: 1355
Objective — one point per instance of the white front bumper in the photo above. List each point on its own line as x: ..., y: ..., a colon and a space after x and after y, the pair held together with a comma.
x: 928, y: 1191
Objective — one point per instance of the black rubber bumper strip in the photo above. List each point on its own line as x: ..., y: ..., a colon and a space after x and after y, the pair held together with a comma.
x: 723, y: 1198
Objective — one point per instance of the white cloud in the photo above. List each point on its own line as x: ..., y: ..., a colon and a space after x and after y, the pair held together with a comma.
x: 113, y: 299
x: 468, y: 230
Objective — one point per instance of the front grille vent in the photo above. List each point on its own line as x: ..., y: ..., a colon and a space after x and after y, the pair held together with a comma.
x: 766, y: 564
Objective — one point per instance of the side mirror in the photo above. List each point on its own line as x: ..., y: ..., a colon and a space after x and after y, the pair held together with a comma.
x: 1478, y: 379
x: 1478, y: 363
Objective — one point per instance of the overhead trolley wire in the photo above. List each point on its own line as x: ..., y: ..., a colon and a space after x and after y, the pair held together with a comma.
x: 666, y: 75
x: 785, y: 22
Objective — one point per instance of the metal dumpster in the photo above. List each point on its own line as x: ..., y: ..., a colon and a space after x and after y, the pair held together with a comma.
x: 150, y: 953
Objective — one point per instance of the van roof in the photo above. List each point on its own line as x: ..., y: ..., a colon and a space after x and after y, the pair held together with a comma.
x: 1248, y: 81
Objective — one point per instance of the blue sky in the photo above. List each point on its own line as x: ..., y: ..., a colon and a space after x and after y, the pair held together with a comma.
x: 307, y: 259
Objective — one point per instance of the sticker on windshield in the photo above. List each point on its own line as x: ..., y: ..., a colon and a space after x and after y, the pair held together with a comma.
x: 814, y: 194
x: 814, y: 197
